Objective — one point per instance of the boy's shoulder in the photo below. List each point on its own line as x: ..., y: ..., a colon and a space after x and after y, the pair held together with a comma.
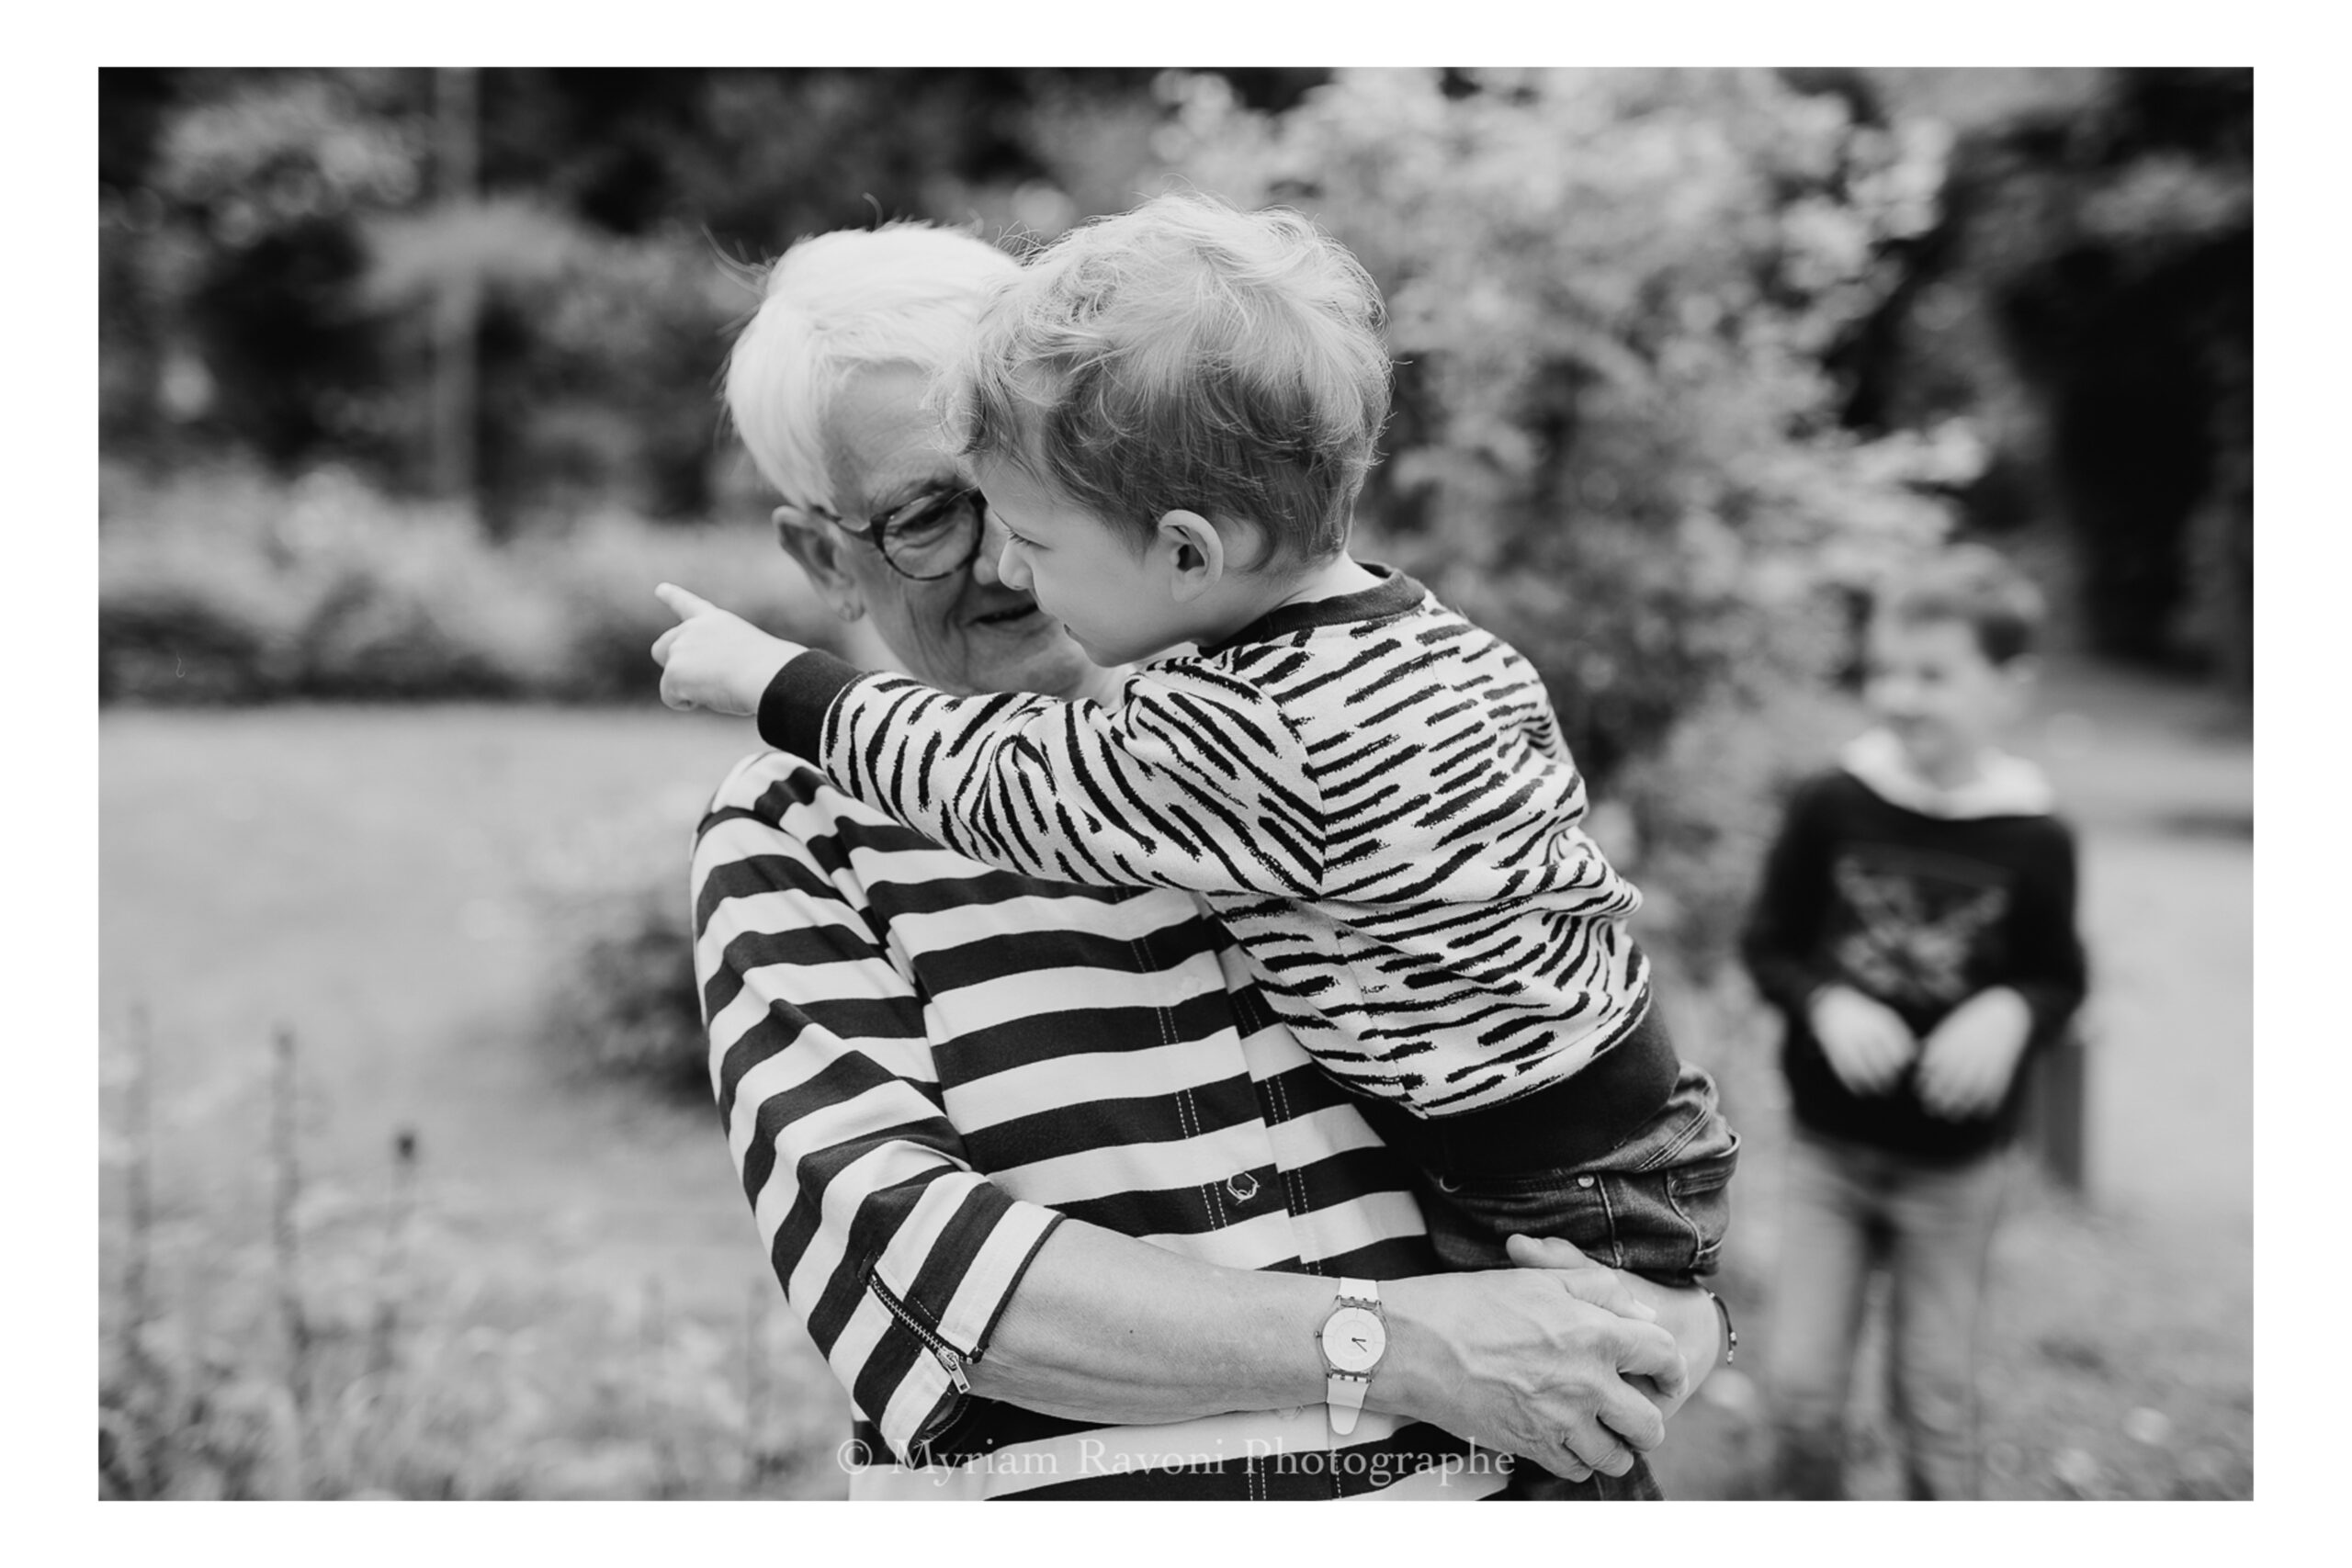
x: 1398, y: 621
x: 1834, y: 801
x: 2007, y: 788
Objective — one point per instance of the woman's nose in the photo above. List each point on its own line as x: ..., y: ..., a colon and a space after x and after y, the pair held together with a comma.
x: 985, y: 566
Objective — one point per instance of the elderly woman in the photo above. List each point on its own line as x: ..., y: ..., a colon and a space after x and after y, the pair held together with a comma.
x: 1068, y: 1213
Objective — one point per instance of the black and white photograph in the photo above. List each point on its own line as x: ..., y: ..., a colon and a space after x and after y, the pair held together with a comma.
x: 1176, y: 783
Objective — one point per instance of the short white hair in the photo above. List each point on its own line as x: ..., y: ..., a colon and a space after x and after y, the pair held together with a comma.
x: 834, y: 305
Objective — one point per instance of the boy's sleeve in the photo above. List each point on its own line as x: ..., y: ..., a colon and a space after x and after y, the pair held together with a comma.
x: 897, y: 1256
x: 1792, y: 905
x: 2047, y: 964
x: 1196, y: 781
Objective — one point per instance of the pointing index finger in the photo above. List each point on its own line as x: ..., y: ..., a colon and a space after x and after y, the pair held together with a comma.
x: 682, y: 604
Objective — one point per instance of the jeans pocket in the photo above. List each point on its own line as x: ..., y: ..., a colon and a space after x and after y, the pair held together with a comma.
x: 1700, y: 1193
x: 1469, y: 1218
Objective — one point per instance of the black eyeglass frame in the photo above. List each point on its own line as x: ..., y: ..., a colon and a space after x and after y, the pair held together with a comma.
x: 877, y: 531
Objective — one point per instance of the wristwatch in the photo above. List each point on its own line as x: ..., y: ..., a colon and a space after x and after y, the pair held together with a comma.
x: 1354, y: 1338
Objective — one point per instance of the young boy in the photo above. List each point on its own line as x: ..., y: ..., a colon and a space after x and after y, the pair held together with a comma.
x: 1916, y: 926
x: 1171, y: 414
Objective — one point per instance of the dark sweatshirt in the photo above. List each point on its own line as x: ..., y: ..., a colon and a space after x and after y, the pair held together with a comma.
x: 1920, y: 905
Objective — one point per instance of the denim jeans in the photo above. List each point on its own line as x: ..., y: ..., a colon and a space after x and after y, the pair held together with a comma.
x: 1657, y: 1204
x: 1852, y: 1210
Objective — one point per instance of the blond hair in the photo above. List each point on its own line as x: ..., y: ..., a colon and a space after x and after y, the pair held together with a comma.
x: 1186, y: 355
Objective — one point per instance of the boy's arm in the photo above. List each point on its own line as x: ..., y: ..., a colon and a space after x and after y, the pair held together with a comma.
x: 2049, y: 969
x: 1968, y: 1063
x: 1865, y: 1041
x: 1792, y: 904
x: 1196, y: 781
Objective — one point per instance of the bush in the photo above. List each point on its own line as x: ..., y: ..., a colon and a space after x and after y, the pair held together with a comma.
x: 230, y: 588
x: 1691, y: 821
x: 1613, y: 295
x: 622, y: 999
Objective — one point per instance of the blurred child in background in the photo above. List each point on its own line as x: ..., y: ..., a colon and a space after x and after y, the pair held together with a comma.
x: 1916, y: 927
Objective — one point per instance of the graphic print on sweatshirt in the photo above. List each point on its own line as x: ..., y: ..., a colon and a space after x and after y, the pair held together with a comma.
x: 1918, y: 923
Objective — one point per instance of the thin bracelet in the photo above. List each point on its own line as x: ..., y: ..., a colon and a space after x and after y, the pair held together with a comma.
x: 1731, y: 1335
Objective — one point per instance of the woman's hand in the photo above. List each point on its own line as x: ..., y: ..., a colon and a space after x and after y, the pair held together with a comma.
x: 715, y: 660
x: 1519, y: 1360
x: 1686, y: 1312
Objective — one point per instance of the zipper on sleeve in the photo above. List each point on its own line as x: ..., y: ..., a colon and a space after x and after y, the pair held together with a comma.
x: 945, y: 1354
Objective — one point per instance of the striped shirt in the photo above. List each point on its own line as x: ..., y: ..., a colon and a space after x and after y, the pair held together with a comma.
x: 1369, y: 793
x: 923, y: 1064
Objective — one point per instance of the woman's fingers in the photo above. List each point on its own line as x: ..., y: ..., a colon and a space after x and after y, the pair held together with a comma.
x: 1629, y: 1415
x: 1597, y: 1448
x: 1647, y: 1350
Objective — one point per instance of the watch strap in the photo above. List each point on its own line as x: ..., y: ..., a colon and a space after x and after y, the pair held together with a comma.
x: 1343, y: 1391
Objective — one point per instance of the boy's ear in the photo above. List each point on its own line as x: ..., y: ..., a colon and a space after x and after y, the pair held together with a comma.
x: 1194, y: 551
x: 818, y: 551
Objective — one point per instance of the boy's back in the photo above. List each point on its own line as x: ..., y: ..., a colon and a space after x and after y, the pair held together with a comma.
x: 1369, y: 791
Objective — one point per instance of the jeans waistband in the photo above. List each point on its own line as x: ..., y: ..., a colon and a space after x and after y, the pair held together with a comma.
x: 1570, y: 1123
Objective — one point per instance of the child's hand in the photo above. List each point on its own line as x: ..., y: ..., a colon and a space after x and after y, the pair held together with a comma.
x: 714, y: 660
x: 1969, y: 1058
x: 1867, y: 1041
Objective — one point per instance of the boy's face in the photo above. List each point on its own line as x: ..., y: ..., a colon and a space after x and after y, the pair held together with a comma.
x: 1113, y: 600
x: 1930, y: 684
x: 967, y: 632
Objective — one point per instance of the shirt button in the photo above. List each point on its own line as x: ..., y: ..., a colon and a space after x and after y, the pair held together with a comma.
x: 1584, y: 1182
x: 1243, y: 1187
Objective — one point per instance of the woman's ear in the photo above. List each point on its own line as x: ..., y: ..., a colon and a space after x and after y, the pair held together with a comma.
x: 1194, y: 552
x: 805, y: 537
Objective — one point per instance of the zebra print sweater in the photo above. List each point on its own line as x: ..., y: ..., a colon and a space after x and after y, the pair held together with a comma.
x: 1370, y: 792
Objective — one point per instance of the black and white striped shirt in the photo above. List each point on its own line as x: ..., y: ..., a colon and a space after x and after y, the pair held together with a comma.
x: 923, y: 1064
x: 1369, y: 791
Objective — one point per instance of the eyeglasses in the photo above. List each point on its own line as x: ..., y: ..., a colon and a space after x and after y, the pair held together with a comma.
x: 935, y: 535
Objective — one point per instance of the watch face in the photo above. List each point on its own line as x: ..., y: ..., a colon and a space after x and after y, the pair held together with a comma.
x: 1354, y: 1338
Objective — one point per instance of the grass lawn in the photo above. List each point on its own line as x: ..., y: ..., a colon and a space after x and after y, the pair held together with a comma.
x: 576, y: 1302
x: 378, y: 881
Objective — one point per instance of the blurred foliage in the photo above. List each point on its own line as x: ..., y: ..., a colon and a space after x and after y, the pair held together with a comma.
x: 2087, y: 297
x: 1665, y: 332
x: 1615, y: 441
x: 347, y: 1347
x: 232, y: 586
x: 624, y: 1002
x: 271, y: 241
